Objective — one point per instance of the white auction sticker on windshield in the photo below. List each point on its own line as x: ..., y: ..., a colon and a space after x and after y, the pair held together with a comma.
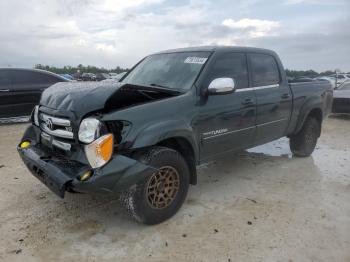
x: 195, y: 60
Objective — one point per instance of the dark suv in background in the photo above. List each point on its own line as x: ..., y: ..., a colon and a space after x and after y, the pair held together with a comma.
x: 20, y: 90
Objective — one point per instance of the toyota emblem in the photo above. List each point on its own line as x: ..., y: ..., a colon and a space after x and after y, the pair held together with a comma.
x: 49, y: 123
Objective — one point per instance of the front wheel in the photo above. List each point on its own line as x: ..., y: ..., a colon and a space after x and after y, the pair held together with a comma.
x: 304, y: 142
x: 160, y: 195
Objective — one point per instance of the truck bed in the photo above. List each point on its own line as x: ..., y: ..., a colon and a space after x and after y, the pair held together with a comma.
x: 308, y: 95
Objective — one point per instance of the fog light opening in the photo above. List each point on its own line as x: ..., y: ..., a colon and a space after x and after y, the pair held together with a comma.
x: 86, y: 175
x: 24, y: 144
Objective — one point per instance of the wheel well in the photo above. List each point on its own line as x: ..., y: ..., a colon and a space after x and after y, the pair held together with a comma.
x: 185, y: 149
x: 317, y: 114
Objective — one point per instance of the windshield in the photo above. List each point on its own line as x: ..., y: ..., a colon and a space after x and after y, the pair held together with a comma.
x: 174, y: 70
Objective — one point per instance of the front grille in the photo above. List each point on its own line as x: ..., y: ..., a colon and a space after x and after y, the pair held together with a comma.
x: 58, y: 127
x: 56, y: 131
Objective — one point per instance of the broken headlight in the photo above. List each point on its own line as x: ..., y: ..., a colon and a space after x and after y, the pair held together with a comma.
x: 89, y: 130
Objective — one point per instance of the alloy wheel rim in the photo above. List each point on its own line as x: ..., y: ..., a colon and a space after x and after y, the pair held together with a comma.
x: 310, y: 138
x: 163, y: 187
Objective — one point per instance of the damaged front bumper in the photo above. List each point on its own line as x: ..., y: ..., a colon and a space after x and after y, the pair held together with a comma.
x: 61, y: 175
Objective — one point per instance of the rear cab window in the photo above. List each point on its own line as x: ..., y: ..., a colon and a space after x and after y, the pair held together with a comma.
x: 264, y: 70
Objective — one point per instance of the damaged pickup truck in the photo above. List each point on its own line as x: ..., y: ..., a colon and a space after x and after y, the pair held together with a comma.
x: 143, y: 137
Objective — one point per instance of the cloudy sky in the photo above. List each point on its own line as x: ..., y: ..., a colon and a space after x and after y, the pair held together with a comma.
x: 306, y: 33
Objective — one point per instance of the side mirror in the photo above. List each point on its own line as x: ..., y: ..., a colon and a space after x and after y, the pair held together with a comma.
x: 221, y: 86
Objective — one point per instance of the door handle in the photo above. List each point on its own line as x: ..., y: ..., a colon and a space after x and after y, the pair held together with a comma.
x: 4, y: 90
x: 248, y: 101
x: 285, y: 96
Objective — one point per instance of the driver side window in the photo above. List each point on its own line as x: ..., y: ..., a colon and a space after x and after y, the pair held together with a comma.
x: 231, y: 65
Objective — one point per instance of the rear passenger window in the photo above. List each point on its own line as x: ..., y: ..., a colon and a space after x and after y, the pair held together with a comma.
x: 50, y: 79
x: 32, y: 77
x: 231, y: 65
x: 264, y: 70
x: 25, y: 77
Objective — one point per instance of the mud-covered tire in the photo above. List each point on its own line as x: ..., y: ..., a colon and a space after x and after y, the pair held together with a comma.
x: 304, y: 142
x: 136, y: 199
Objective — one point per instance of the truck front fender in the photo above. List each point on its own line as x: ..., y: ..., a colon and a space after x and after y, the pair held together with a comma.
x: 160, y: 131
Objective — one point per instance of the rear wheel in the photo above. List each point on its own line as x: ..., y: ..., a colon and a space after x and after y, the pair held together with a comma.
x: 304, y: 142
x: 160, y: 195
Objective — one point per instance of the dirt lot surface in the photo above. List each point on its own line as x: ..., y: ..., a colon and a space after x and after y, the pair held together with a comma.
x: 261, y: 205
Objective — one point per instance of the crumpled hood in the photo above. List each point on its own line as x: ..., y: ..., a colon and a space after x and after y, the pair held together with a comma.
x: 81, y: 98
x: 78, y: 97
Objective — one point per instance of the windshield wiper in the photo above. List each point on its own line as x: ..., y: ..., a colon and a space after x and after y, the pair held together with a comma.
x: 146, y: 95
x: 157, y: 85
x: 152, y: 87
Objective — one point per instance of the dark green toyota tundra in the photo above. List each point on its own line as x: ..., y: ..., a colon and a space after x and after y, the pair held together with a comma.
x: 142, y: 137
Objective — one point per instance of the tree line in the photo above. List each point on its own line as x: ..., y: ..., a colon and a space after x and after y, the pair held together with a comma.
x: 308, y: 73
x: 93, y: 69
x: 81, y: 68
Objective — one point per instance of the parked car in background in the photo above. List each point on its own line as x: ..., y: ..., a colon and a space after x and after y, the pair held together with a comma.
x: 301, y: 79
x: 102, y: 76
x: 77, y: 76
x: 340, y: 78
x: 341, y: 100
x: 113, y: 75
x: 327, y: 78
x: 20, y: 90
x: 88, y: 77
x: 118, y: 76
x: 67, y: 76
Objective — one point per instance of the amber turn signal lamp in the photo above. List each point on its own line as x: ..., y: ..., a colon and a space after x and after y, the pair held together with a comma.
x: 100, y: 151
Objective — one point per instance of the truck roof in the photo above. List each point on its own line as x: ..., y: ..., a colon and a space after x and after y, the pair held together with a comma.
x: 219, y: 49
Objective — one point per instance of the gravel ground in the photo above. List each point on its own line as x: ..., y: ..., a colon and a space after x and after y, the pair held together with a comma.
x: 260, y: 205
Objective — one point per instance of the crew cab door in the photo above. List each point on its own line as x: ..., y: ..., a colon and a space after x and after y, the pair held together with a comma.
x: 227, y: 122
x: 273, y: 96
